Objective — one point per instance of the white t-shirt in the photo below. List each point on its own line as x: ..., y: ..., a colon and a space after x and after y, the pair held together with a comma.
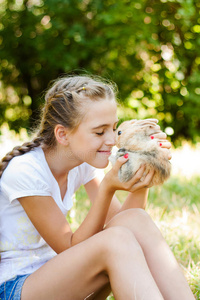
x: 22, y: 249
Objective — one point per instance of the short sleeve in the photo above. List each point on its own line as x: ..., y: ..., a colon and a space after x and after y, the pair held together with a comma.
x: 21, y: 179
x: 88, y: 173
x: 85, y: 173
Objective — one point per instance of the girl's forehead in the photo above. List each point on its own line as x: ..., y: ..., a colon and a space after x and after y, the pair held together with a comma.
x: 98, y: 111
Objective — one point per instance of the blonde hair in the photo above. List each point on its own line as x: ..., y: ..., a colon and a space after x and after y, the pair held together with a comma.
x: 64, y: 104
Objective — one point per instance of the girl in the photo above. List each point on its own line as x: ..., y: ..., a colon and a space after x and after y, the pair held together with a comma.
x: 116, y: 247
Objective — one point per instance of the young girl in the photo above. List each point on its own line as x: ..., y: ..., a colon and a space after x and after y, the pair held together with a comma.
x: 116, y: 247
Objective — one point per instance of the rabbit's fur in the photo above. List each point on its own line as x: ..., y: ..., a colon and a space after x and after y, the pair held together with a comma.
x: 134, y: 138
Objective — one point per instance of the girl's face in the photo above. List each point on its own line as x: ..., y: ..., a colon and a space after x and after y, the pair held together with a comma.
x: 94, y: 138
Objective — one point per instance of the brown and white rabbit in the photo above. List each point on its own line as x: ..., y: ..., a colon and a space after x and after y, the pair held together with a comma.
x: 133, y: 137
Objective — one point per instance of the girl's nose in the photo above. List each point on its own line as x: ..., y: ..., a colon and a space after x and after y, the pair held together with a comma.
x: 111, y: 139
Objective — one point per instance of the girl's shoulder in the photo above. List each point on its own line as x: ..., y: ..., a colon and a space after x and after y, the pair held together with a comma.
x: 25, y: 165
x: 33, y: 158
x: 26, y: 175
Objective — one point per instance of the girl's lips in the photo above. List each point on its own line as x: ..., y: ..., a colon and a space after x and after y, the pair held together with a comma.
x: 105, y: 152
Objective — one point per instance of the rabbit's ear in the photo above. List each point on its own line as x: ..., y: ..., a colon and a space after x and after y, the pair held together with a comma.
x: 133, y: 121
x: 152, y: 122
x: 149, y: 129
x: 150, y: 126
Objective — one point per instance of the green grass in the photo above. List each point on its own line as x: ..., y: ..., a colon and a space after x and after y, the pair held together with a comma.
x: 175, y: 208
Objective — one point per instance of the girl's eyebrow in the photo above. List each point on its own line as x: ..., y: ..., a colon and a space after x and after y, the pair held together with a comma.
x: 104, y: 125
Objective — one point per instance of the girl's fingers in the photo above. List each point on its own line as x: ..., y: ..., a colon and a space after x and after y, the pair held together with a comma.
x: 169, y: 155
x: 138, y: 175
x: 167, y: 152
x: 160, y: 135
x: 164, y: 144
x: 148, y: 179
x: 144, y: 183
x: 120, y: 161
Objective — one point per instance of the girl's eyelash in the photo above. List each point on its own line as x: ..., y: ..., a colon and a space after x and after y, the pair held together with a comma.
x: 101, y: 133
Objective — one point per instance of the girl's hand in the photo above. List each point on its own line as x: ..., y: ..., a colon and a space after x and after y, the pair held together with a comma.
x: 162, y: 141
x: 140, y: 179
x: 156, y: 133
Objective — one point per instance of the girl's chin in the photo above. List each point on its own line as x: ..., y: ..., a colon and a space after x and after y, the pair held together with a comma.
x: 101, y: 164
x: 103, y: 167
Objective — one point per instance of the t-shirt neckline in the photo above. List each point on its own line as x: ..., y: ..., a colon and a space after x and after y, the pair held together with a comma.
x: 53, y: 178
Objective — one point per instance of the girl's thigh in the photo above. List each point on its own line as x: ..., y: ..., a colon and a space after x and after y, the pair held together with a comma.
x: 73, y: 274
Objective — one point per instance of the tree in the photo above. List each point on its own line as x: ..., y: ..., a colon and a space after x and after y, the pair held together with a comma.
x: 149, y: 48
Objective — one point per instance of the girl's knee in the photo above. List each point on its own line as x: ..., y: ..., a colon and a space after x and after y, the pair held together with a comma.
x: 118, y: 233
x: 119, y: 239
x: 137, y: 220
x: 143, y: 225
x: 137, y: 216
x: 138, y: 213
x: 120, y: 245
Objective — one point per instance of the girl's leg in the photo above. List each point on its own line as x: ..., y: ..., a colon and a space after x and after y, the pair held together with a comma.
x: 101, y: 294
x: 111, y: 255
x: 161, y: 261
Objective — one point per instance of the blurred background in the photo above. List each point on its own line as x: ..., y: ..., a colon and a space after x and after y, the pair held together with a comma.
x: 151, y: 49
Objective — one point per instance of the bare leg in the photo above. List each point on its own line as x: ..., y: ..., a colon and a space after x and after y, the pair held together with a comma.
x: 102, y: 294
x: 161, y: 261
x: 112, y: 255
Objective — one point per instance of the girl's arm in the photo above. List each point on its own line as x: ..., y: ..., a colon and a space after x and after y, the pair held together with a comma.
x: 100, y: 210
x: 137, y: 199
x: 52, y: 225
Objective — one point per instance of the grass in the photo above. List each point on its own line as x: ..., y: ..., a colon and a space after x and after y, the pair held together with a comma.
x: 175, y: 208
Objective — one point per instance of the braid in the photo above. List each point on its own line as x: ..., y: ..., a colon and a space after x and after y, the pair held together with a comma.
x: 19, y: 150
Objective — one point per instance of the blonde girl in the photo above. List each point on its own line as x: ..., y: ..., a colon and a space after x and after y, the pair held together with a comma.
x: 117, y: 247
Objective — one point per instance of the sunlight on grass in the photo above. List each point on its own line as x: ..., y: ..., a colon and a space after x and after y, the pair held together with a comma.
x: 175, y: 206
x: 186, y: 160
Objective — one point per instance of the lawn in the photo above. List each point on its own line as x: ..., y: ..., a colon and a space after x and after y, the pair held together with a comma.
x: 175, y: 207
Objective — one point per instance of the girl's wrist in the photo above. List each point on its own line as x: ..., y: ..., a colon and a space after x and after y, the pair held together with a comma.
x: 106, y: 188
x: 141, y: 191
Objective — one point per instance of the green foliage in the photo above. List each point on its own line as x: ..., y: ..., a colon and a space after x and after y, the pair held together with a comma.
x: 150, y: 48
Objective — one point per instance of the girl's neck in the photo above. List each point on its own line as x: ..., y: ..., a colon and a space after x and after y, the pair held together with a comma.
x: 59, y: 162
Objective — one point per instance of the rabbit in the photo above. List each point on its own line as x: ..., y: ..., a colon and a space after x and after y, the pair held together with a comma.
x: 133, y: 137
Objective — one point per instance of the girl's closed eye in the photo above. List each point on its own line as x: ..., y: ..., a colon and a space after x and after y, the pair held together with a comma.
x: 100, y: 133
